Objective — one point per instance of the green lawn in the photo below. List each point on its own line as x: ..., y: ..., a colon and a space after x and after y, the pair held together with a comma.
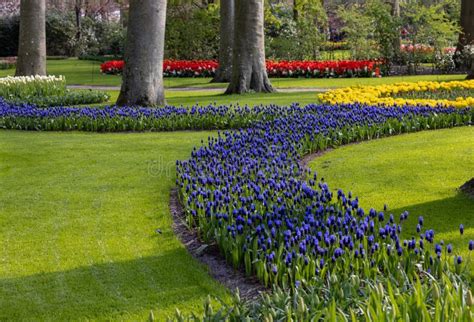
x: 415, y: 172
x: 83, y: 72
x: 188, y: 98
x: 78, y: 214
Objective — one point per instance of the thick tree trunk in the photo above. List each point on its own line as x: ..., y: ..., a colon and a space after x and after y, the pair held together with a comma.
x: 142, y: 82
x: 32, y: 40
x: 470, y: 75
x: 467, y: 30
x: 248, y: 62
x: 224, y: 72
x: 467, y: 22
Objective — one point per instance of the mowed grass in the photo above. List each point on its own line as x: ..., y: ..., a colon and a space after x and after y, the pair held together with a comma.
x: 78, y: 214
x: 84, y: 72
x: 418, y: 172
x: 203, y: 98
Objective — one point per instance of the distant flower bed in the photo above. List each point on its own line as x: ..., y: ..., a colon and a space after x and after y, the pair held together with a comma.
x: 424, y: 49
x: 7, y: 62
x: 171, y: 68
x: 44, y: 91
x: 309, y: 69
x: 448, y: 94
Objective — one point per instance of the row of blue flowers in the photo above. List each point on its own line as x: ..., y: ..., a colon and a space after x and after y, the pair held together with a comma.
x: 247, y: 192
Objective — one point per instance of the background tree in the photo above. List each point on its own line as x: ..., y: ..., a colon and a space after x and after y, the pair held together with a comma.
x: 397, y: 41
x: 142, y: 82
x: 467, y: 32
x: 227, y: 11
x: 32, y: 39
x: 248, y: 62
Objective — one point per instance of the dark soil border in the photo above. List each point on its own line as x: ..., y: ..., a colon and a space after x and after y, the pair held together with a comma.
x: 219, y: 269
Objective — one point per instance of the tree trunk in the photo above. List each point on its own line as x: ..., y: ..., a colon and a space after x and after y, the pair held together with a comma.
x: 295, y: 10
x: 224, y: 72
x: 32, y: 40
x: 123, y: 13
x: 397, y: 42
x: 78, y: 11
x: 467, y: 22
x: 248, y: 62
x: 467, y: 30
x: 142, y: 82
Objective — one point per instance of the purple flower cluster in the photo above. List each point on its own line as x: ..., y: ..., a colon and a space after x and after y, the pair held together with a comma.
x: 247, y: 191
x: 169, y: 118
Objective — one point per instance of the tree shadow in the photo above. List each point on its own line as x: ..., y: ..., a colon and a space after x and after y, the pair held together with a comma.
x: 444, y: 215
x: 109, y: 291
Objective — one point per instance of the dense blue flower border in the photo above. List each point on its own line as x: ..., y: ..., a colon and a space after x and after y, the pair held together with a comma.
x: 247, y: 192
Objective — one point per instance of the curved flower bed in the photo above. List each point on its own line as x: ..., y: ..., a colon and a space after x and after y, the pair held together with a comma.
x: 384, y: 94
x: 246, y: 192
x: 309, y: 69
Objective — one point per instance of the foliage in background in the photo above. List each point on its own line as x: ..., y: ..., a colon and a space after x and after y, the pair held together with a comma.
x: 192, y: 33
x: 428, y: 25
x: 371, y: 30
x: 291, y: 33
x: 295, y: 33
x: 9, y: 34
x: 97, y: 37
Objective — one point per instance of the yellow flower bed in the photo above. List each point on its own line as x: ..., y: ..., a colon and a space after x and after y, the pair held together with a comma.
x: 381, y: 94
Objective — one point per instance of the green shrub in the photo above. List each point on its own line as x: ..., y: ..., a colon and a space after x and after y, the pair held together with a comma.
x: 95, y: 37
x: 192, y: 33
x: 295, y: 34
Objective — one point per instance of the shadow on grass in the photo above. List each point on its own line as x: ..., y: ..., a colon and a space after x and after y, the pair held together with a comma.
x: 444, y: 215
x: 116, y: 290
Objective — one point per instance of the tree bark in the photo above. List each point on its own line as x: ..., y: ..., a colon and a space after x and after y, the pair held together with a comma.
x: 295, y: 10
x: 32, y: 40
x: 467, y: 30
x: 142, y: 82
x: 397, y: 42
x: 467, y: 22
x: 78, y: 11
x: 227, y: 11
x: 248, y: 62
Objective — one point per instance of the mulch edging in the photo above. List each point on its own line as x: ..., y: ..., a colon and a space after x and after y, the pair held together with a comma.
x: 219, y: 269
